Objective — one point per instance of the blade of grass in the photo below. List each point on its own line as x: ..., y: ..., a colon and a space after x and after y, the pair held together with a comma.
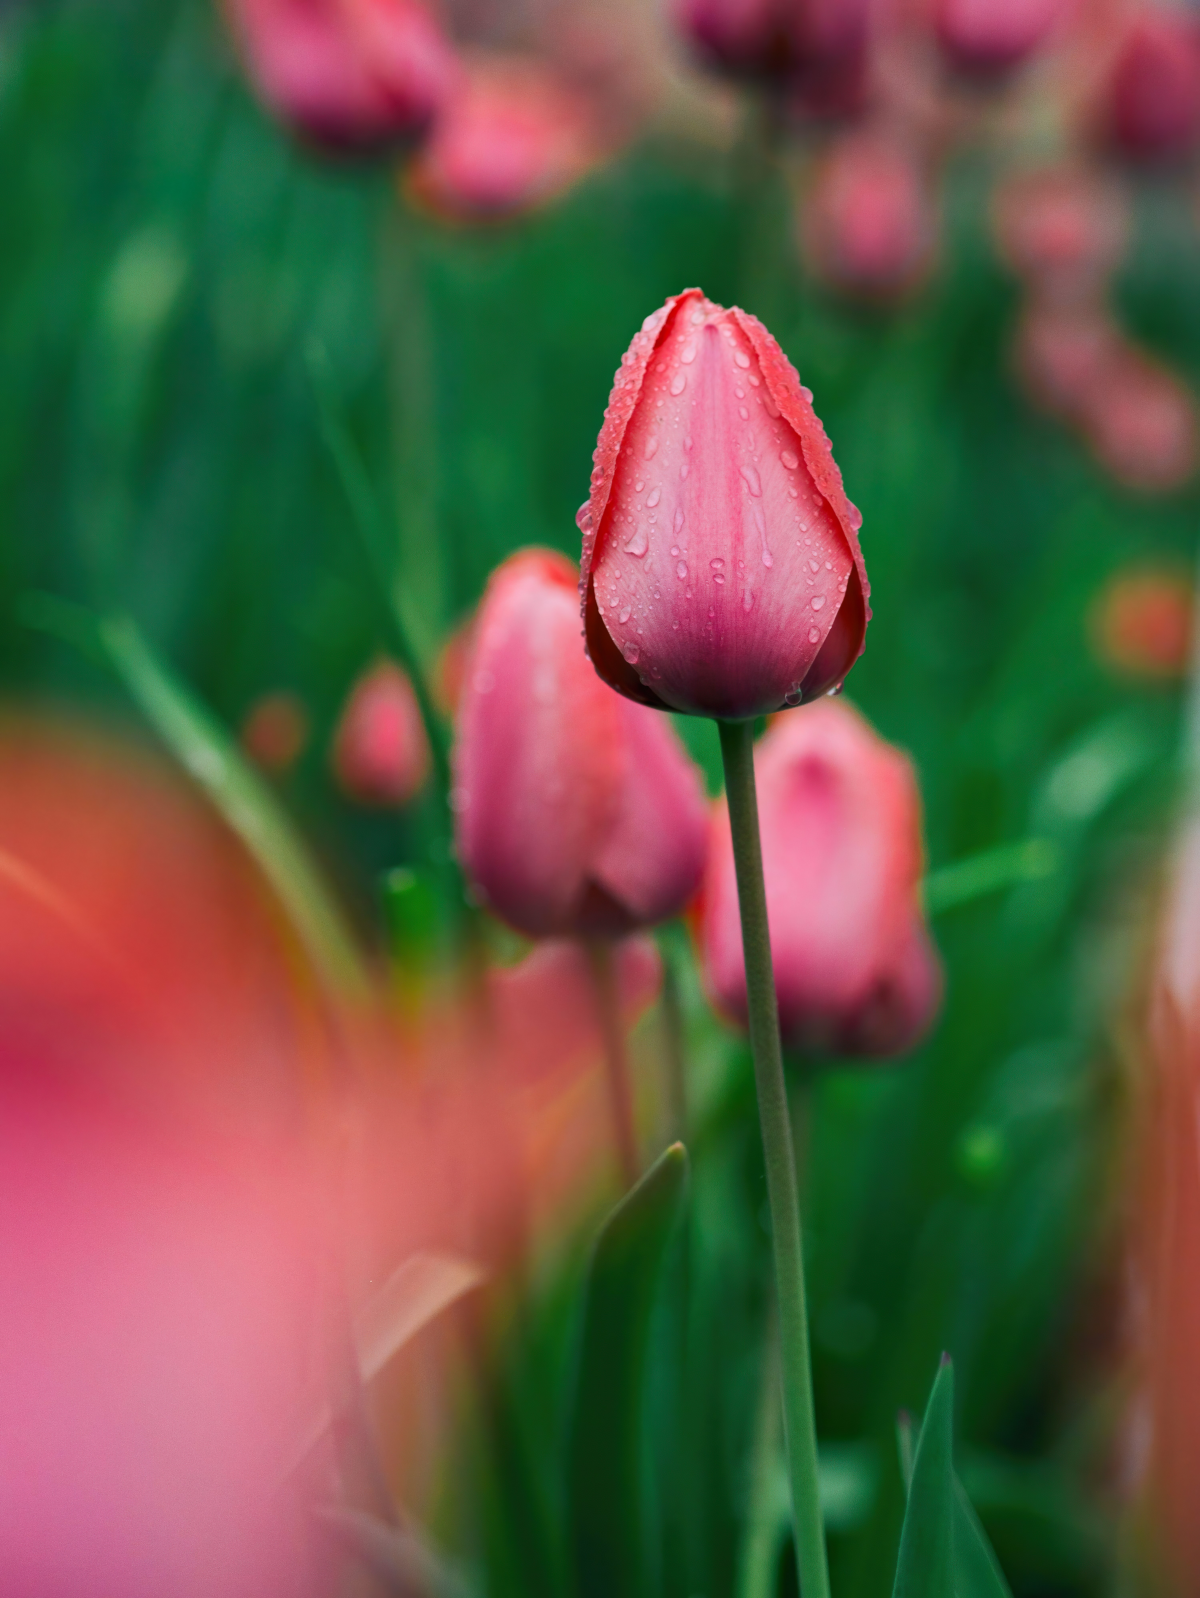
x: 207, y: 752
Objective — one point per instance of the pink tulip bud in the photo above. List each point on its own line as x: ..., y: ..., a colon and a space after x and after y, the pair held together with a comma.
x: 1153, y: 95
x: 1062, y: 352
x: 1061, y: 228
x: 511, y: 137
x: 578, y: 812
x: 1140, y: 419
x: 380, y: 752
x: 987, y: 37
x: 275, y: 731
x: 346, y: 74
x: 840, y: 817
x: 721, y: 569
x: 867, y: 224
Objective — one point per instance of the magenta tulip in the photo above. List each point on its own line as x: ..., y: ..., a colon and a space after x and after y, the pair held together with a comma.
x: 774, y: 38
x: 986, y: 37
x: 346, y: 74
x: 840, y: 816
x: 511, y: 137
x: 380, y: 752
x: 721, y: 569
x: 577, y: 812
x: 1153, y: 97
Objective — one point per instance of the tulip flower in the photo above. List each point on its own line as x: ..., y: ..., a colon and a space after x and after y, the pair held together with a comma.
x: 510, y: 138
x: 1061, y: 354
x: 1061, y: 229
x: 840, y: 817
x: 1141, y: 422
x: 867, y: 224
x: 721, y: 569
x: 1152, y: 110
x: 1142, y: 624
x: 346, y: 74
x: 578, y: 813
x: 380, y: 752
x: 986, y: 37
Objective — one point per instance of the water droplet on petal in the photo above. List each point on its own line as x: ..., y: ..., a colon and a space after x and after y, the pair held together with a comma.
x: 688, y: 353
x: 751, y: 479
x: 683, y: 471
x: 624, y: 616
x: 631, y: 653
x: 638, y: 543
x: 767, y: 558
x: 679, y: 383
x: 681, y: 570
x: 742, y: 359
x: 818, y: 602
x: 747, y: 600
x: 651, y: 448
x: 790, y: 459
x: 638, y: 486
x: 678, y: 519
x: 717, y: 563
x: 654, y: 497
x: 814, y: 635
x: 743, y: 413
x: 718, y: 577
x: 814, y: 565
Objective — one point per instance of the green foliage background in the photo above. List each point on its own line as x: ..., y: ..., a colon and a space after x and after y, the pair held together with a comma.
x: 168, y: 257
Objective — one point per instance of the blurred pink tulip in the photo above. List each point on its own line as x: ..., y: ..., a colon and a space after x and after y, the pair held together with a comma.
x: 867, y: 224
x: 380, y: 752
x: 986, y: 37
x: 1143, y: 623
x: 1152, y: 98
x: 1062, y: 229
x: 511, y: 137
x: 1061, y: 353
x: 721, y: 569
x: 346, y: 74
x: 275, y: 731
x: 840, y: 816
x: 1140, y: 420
x: 774, y: 38
x: 578, y: 813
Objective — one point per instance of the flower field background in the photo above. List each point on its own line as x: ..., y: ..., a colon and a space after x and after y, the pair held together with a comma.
x: 193, y: 305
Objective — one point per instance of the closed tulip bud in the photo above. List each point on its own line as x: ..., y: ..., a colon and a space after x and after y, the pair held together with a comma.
x: 840, y: 819
x: 511, y: 137
x: 1062, y: 229
x: 773, y: 38
x: 867, y: 224
x: 983, y: 38
x: 1062, y: 352
x: 577, y: 812
x: 380, y: 752
x: 346, y: 74
x: 1152, y: 109
x: 1140, y: 420
x: 721, y: 569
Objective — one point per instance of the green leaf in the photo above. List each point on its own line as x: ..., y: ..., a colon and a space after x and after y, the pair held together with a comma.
x: 926, y: 1566
x: 209, y: 754
x: 939, y: 1515
x: 604, y: 1447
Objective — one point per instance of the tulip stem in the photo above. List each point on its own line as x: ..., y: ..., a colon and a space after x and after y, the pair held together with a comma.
x: 737, y: 752
x: 616, y: 1056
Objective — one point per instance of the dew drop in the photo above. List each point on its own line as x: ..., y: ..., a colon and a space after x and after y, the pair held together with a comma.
x: 624, y: 616
x: 790, y: 459
x: 674, y: 549
x: 751, y: 479
x: 697, y: 318
x: 753, y: 380
x: 743, y: 413
x: 638, y: 486
x: 767, y: 558
x: 747, y: 600
x: 793, y: 696
x: 679, y: 383
x: 818, y: 602
x: 742, y: 359
x: 683, y: 471
x: 585, y: 521
x: 814, y: 565
x: 651, y: 448
x: 681, y: 570
x: 770, y: 406
x: 678, y: 519
x: 814, y: 635
x: 655, y: 496
x: 718, y: 577
x: 638, y: 543
x: 717, y: 563
x: 631, y: 653
x: 688, y: 353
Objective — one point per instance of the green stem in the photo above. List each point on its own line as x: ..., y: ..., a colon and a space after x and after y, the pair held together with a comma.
x: 673, y: 1041
x: 616, y: 1057
x: 737, y: 751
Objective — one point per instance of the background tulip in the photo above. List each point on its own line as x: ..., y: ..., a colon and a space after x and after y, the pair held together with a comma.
x: 577, y: 812
x: 275, y: 731
x: 990, y: 36
x: 346, y: 73
x: 511, y: 137
x: 840, y: 819
x: 783, y: 39
x: 380, y: 752
x: 867, y: 223
x: 1153, y: 92
x: 721, y: 569
x: 1142, y: 623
